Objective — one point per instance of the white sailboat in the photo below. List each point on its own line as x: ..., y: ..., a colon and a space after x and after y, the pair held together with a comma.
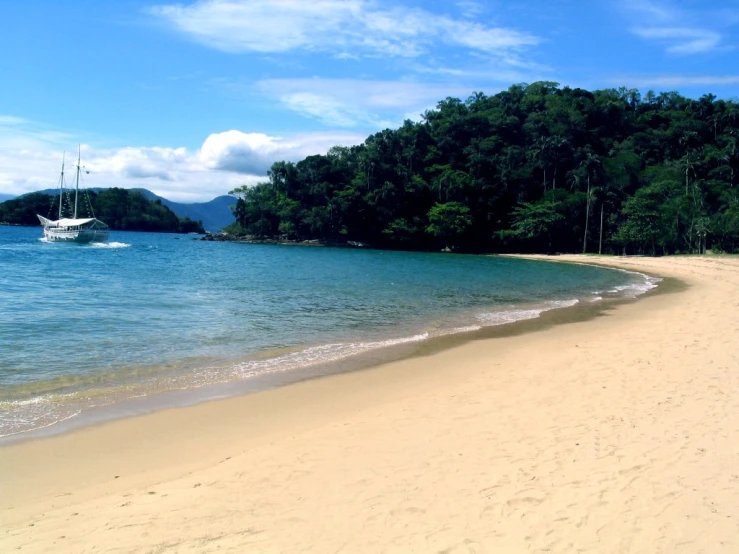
x: 74, y: 229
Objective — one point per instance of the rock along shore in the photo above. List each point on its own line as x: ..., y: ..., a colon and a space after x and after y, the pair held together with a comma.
x: 250, y: 239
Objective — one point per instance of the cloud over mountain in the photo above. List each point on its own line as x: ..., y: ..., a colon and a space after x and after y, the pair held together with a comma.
x: 224, y: 161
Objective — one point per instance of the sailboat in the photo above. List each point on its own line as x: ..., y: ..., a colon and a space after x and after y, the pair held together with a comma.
x: 82, y: 230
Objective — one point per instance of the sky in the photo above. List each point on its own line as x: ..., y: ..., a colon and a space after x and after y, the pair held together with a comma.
x: 191, y: 99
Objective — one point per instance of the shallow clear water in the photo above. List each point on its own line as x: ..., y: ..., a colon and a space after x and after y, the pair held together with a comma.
x: 90, y: 325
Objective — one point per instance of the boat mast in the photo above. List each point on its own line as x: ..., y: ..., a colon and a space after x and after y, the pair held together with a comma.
x: 61, y: 187
x: 77, y: 186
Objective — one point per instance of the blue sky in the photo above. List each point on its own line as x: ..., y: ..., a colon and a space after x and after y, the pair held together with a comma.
x: 191, y: 99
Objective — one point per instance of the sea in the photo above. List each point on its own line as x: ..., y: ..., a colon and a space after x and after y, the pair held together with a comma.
x: 150, y: 320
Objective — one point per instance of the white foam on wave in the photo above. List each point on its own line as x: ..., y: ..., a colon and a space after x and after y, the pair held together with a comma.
x: 314, y: 355
x: 45, y: 410
x: 110, y: 244
x: 39, y: 412
x: 508, y: 316
x: 512, y: 315
x: 24, y: 425
x: 554, y: 304
x: 632, y: 290
x: 455, y: 330
x: 27, y: 402
x: 93, y: 244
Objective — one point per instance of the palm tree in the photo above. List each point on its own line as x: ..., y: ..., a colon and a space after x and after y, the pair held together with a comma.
x: 600, y: 238
x: 687, y: 140
x: 599, y: 193
x: 729, y: 157
x: 690, y: 164
x: 541, y: 148
x: 556, y: 143
x: 589, y: 163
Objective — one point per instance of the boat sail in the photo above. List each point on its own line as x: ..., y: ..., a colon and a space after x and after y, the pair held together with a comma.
x: 80, y: 230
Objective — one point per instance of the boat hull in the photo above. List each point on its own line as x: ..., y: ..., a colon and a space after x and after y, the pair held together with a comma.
x: 80, y: 236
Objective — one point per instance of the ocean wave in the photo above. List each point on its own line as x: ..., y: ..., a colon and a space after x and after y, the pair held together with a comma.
x: 44, y: 410
x: 93, y: 244
x: 632, y: 290
x: 503, y: 317
x: 32, y: 414
x: 554, y: 304
x: 313, y: 355
x: 457, y: 330
x: 110, y: 244
x: 508, y: 316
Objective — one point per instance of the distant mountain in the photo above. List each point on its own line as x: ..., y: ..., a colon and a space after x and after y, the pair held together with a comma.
x: 4, y: 197
x: 215, y: 214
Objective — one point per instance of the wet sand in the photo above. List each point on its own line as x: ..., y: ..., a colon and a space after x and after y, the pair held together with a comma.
x: 615, y: 434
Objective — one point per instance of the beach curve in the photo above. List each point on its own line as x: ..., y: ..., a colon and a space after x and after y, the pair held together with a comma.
x: 609, y: 435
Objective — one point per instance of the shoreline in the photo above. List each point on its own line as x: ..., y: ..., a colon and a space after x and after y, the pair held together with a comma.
x: 599, y: 435
x: 406, y: 348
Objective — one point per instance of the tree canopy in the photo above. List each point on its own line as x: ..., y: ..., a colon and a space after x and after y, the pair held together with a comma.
x: 537, y: 167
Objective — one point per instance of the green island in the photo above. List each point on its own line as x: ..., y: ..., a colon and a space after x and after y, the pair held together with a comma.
x: 121, y: 209
x: 535, y: 168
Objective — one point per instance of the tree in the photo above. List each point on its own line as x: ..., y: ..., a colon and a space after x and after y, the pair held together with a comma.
x: 535, y: 220
x: 449, y: 222
x: 648, y: 216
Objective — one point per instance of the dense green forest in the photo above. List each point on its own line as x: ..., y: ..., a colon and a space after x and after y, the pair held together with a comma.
x: 538, y: 168
x: 120, y: 209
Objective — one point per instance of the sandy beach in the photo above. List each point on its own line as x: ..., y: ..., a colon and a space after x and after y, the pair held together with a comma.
x: 617, y: 434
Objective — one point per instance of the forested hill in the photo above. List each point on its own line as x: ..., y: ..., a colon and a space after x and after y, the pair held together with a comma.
x: 214, y: 214
x: 534, y: 168
x: 120, y: 209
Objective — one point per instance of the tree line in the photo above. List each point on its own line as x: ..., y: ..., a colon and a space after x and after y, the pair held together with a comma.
x: 535, y: 168
x: 120, y: 209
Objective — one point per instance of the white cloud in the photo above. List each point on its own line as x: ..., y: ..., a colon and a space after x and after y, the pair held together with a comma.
x: 498, y: 75
x: 138, y: 163
x: 470, y: 8
x: 680, y: 40
x: 677, y: 30
x: 355, y: 102
x: 338, y: 27
x: 31, y: 156
x: 22, y: 134
x: 6, y: 120
x: 654, y: 11
x: 254, y: 153
x: 325, y: 109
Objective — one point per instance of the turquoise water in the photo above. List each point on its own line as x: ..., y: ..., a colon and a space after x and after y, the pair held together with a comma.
x: 84, y: 326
